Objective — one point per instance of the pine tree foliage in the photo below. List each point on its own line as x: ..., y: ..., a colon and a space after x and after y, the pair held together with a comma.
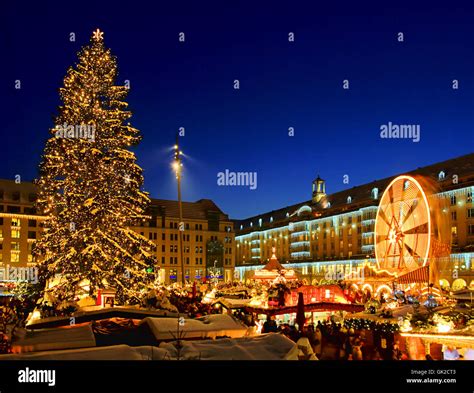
x: 90, y: 186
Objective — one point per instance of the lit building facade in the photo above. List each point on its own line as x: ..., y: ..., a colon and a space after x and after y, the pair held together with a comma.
x: 208, y: 238
x: 333, y: 234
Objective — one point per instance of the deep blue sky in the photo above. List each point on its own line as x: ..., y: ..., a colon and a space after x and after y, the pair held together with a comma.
x: 283, y: 85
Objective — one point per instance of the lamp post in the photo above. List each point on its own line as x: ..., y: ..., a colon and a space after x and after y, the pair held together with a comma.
x: 177, y: 166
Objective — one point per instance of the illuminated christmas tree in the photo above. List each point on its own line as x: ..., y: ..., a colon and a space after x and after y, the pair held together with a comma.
x: 89, y: 186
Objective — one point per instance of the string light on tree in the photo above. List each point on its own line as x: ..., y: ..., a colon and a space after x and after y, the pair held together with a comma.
x: 96, y: 184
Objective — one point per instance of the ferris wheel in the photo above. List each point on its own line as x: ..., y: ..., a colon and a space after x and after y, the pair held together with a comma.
x: 403, y: 226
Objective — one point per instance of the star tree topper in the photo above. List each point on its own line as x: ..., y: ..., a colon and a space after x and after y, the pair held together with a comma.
x: 98, y: 35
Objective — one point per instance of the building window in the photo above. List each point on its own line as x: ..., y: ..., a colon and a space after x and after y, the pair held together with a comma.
x: 470, y: 213
x: 29, y: 210
x: 349, y: 199
x: 15, y: 246
x: 13, y: 209
x: 454, y: 231
x: 453, y: 200
x: 15, y: 234
x: 31, y: 235
x: 14, y: 257
x: 32, y: 223
x: 454, y: 216
x: 15, y: 222
x: 470, y: 229
x: 469, y: 197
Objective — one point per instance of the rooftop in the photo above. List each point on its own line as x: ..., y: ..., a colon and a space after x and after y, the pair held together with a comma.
x: 362, y: 196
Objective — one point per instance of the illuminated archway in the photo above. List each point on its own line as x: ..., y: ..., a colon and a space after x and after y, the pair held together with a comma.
x: 384, y: 288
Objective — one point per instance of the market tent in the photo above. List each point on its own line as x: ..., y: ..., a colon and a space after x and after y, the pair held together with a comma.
x: 301, y: 351
x: 115, y: 352
x: 232, y: 304
x: 209, y: 326
x: 270, y: 346
x: 75, y: 336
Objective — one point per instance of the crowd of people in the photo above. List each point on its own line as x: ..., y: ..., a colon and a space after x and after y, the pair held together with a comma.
x: 331, y: 340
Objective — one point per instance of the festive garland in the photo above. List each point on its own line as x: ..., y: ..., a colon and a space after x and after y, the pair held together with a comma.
x: 368, y: 324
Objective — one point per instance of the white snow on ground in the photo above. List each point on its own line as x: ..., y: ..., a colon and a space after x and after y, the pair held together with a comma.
x: 265, y: 347
x: 115, y: 352
x: 78, y: 336
x: 210, y: 326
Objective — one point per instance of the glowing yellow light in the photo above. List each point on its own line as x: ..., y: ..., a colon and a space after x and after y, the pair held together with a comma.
x: 406, y: 326
x: 443, y: 327
x: 392, y: 235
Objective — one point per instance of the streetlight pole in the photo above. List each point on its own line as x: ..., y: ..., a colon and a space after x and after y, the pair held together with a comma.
x: 177, y: 166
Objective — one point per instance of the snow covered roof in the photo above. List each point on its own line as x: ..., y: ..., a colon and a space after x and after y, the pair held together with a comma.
x: 75, y: 336
x: 209, y: 326
x: 114, y: 352
x: 264, y: 347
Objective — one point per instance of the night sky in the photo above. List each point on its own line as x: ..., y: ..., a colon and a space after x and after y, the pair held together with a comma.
x: 282, y: 84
